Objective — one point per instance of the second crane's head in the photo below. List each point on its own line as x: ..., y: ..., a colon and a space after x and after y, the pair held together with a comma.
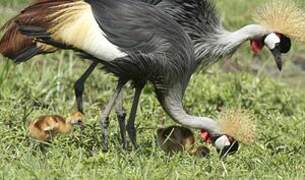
x: 277, y: 43
x: 286, y: 19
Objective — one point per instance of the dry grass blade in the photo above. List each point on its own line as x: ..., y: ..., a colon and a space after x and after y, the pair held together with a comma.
x: 284, y: 17
x: 238, y: 123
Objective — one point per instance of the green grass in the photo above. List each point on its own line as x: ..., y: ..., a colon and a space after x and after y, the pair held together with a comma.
x: 44, y: 86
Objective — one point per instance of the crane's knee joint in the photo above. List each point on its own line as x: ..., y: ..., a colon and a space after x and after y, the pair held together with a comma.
x: 121, y: 115
x: 105, y: 122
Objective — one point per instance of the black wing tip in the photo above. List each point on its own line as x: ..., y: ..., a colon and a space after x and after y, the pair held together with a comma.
x: 25, y: 54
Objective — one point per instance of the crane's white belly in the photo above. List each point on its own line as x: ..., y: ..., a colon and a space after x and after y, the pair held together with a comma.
x: 79, y: 28
x: 98, y: 45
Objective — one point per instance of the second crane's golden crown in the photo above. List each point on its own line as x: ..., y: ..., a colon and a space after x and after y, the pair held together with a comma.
x: 282, y: 16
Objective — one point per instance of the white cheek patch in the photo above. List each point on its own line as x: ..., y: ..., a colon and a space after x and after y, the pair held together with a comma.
x: 271, y: 40
x: 222, y: 142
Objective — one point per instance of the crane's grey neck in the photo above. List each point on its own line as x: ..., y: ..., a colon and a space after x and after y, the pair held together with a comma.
x: 222, y: 42
x: 172, y: 104
x: 214, y: 45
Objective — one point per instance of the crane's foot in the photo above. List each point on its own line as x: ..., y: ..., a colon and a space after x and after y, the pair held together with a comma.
x: 105, y: 134
x: 132, y: 133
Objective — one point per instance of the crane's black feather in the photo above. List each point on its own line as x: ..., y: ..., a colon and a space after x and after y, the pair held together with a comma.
x: 25, y: 54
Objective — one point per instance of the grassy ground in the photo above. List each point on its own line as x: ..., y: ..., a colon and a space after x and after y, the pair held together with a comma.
x: 44, y: 86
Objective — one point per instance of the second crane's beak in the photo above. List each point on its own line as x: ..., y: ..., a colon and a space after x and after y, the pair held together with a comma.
x: 272, y: 41
x: 278, y: 44
x: 278, y: 56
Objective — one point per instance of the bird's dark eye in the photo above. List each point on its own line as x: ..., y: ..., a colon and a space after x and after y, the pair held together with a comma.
x: 285, y: 44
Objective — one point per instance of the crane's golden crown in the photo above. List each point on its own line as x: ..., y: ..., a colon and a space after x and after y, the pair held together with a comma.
x: 238, y: 123
x: 282, y: 16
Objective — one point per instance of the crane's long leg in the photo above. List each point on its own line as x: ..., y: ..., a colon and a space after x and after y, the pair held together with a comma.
x: 79, y: 86
x: 131, y: 120
x: 105, y: 114
x: 79, y: 90
x: 121, y: 115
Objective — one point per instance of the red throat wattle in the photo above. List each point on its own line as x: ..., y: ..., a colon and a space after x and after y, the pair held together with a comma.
x: 205, y: 136
x: 256, y: 46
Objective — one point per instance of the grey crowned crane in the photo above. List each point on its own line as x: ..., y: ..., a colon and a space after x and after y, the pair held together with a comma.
x: 211, y: 41
x: 71, y: 24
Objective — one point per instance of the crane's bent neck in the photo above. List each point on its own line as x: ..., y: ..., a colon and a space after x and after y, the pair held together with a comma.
x: 222, y: 42
x: 171, y: 101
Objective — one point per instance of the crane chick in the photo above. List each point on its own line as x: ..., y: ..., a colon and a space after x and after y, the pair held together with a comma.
x: 45, y: 127
x: 174, y: 139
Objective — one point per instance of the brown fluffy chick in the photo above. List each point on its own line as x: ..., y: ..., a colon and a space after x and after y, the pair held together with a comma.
x: 174, y: 139
x: 45, y: 127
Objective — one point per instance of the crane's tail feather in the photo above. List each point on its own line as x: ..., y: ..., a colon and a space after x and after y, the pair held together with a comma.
x: 16, y: 46
x: 34, y: 31
x: 41, y: 28
x: 19, y: 47
x: 63, y: 24
x: 26, y: 54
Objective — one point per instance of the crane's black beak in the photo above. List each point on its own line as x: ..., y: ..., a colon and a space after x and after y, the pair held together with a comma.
x: 229, y: 150
x: 278, y: 44
x: 277, y: 54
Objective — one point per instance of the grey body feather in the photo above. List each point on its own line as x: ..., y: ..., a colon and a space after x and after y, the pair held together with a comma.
x: 201, y: 22
x: 170, y: 75
x: 158, y: 48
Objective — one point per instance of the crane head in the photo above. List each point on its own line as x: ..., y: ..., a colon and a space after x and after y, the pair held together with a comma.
x: 277, y: 43
x: 225, y: 144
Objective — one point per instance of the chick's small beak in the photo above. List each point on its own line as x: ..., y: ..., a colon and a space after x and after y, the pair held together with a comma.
x: 278, y: 57
x: 80, y: 124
